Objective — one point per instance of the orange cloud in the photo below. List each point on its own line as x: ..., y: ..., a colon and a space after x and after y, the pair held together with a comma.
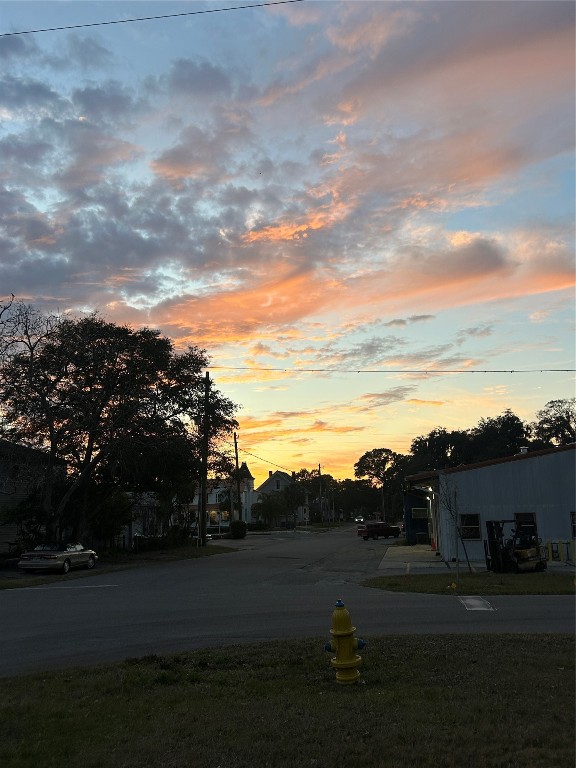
x: 320, y: 218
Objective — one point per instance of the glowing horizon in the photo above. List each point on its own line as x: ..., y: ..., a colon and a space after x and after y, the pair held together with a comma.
x: 322, y: 186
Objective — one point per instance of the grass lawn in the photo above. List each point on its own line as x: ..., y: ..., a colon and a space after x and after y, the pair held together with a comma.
x: 485, y: 583
x: 456, y: 701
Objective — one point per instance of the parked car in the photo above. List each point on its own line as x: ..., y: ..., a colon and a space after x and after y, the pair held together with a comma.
x: 374, y: 528
x: 58, y: 557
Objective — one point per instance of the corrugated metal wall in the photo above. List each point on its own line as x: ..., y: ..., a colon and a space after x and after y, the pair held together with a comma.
x: 544, y: 485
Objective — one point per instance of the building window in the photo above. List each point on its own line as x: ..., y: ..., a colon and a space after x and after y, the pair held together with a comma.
x: 525, y: 518
x: 419, y: 513
x: 470, y: 526
x: 573, y: 521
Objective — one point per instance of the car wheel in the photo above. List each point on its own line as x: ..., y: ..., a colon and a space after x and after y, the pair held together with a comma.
x: 65, y: 566
x: 91, y: 562
x: 396, y: 535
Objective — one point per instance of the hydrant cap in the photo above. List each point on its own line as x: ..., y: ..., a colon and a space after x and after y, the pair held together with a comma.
x: 339, y: 604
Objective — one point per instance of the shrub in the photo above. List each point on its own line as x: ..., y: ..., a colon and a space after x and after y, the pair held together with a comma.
x: 238, y: 529
x: 258, y: 525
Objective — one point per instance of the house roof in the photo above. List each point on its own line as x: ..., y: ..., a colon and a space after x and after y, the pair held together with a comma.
x: 435, y: 473
x: 275, y: 475
x: 244, y: 472
x: 21, y: 451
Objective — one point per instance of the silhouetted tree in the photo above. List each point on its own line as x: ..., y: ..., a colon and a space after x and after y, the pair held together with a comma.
x: 101, y: 396
x: 556, y: 423
x: 441, y: 448
x: 385, y: 468
x: 494, y: 438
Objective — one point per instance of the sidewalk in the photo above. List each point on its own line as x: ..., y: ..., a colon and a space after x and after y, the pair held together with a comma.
x: 420, y: 558
x: 416, y: 558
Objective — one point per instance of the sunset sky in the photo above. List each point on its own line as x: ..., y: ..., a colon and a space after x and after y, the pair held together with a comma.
x: 335, y: 199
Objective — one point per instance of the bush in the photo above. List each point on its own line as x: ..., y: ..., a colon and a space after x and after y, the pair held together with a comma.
x: 176, y: 536
x: 238, y: 529
x: 258, y: 525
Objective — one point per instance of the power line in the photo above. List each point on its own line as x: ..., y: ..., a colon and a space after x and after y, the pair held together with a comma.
x: 395, y: 370
x: 243, y: 450
x: 149, y: 18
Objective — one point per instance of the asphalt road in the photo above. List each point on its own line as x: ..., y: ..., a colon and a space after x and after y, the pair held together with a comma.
x: 274, y: 587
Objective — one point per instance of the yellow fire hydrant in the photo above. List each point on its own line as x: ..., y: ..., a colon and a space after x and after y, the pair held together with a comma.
x: 344, y: 645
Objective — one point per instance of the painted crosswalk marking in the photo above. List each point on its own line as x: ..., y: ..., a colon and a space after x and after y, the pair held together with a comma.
x: 475, y: 604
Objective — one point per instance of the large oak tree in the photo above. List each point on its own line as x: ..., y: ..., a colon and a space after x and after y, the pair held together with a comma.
x: 102, y: 398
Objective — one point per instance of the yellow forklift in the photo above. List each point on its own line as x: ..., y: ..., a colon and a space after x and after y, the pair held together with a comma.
x: 513, y: 547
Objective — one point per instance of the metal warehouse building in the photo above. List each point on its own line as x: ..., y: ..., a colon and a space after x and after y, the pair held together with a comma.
x: 537, y: 487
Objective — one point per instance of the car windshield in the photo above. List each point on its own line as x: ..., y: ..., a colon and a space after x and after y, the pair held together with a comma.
x: 49, y: 548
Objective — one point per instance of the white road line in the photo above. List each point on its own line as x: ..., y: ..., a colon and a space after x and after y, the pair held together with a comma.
x: 44, y: 589
x: 476, y: 604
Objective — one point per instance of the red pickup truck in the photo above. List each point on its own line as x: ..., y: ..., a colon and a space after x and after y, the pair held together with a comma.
x: 374, y: 528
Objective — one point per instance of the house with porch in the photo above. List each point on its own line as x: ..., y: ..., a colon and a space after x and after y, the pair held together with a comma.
x: 221, y: 494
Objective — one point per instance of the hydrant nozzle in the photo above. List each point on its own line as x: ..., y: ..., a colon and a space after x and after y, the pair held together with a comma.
x: 344, y: 645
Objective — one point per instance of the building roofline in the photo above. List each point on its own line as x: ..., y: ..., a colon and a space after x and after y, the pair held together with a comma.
x: 434, y: 473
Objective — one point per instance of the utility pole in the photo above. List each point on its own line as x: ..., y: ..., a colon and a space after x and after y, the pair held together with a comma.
x: 320, y: 494
x: 204, y: 463
x: 237, y: 482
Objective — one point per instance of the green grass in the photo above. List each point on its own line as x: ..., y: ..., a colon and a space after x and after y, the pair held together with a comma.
x: 485, y: 583
x: 487, y: 701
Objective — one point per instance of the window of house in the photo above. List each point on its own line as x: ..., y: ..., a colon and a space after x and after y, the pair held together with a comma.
x: 573, y: 521
x: 419, y: 513
x: 470, y: 526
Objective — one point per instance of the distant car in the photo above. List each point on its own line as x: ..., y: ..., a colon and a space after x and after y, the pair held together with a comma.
x: 58, y: 557
x: 375, y: 528
x: 359, y: 519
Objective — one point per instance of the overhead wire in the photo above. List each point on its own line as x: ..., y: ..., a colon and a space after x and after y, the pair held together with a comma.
x: 149, y: 18
x: 393, y: 370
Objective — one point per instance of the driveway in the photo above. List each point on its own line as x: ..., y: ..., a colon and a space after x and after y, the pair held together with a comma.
x: 278, y: 586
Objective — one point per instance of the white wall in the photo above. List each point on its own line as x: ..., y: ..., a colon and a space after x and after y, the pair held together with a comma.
x: 544, y: 485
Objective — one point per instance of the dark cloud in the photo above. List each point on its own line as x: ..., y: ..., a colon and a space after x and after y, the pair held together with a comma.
x: 108, y: 101
x: 91, y: 154
x: 24, y: 94
x: 17, y: 47
x: 13, y: 202
x: 23, y: 150
x: 369, y: 353
x: 375, y: 400
x: 191, y: 78
x: 79, y: 52
x: 404, y: 321
x: 476, y: 332
x: 203, y: 153
x: 480, y: 256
